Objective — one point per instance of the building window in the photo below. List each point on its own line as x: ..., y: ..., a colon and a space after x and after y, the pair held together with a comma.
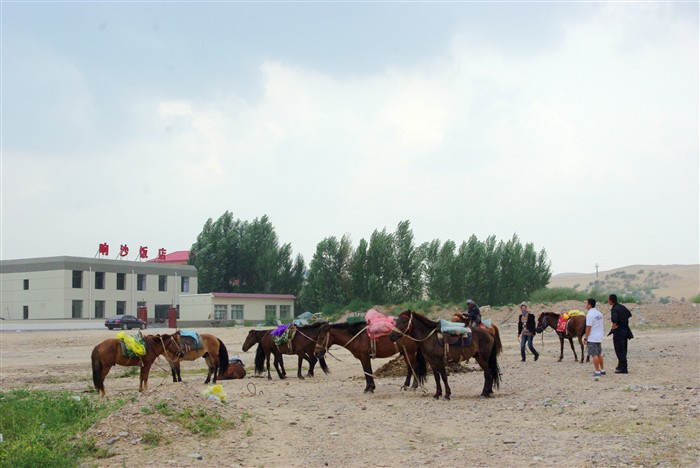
x: 220, y: 311
x: 270, y: 313
x: 285, y: 312
x: 77, y: 279
x: 99, y: 280
x: 77, y: 309
x: 26, y: 284
x: 121, y: 281
x: 185, y: 284
x: 25, y: 312
x: 141, y: 282
x: 162, y: 283
x: 236, y: 311
x: 99, y: 309
x: 121, y: 307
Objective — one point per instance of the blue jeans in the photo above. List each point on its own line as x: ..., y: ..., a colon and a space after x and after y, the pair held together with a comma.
x: 527, y: 339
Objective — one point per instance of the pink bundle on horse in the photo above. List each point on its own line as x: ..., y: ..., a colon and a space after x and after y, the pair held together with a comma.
x: 379, y: 325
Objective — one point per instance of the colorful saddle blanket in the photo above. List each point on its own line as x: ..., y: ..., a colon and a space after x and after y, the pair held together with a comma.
x: 190, y: 340
x: 564, y: 319
x: 379, y: 325
x: 132, y: 346
x: 283, y: 334
x: 454, y: 328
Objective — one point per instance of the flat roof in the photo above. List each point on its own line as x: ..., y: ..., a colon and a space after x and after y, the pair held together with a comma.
x: 26, y: 265
x: 290, y: 297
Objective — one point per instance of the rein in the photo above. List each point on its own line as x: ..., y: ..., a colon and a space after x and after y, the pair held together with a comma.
x: 408, y: 328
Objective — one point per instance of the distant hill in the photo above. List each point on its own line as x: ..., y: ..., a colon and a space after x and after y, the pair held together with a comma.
x: 649, y: 283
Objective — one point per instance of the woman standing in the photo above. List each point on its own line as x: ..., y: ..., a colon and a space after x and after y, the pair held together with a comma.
x: 526, y: 331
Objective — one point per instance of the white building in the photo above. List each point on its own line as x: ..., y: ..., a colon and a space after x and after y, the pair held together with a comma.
x: 86, y: 288
x: 202, y: 309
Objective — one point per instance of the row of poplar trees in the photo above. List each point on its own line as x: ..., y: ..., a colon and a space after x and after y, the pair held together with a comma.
x: 240, y: 256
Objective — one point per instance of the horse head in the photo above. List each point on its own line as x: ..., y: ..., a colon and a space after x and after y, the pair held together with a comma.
x: 253, y: 337
x: 323, y: 341
x: 171, y: 344
x: 404, y: 325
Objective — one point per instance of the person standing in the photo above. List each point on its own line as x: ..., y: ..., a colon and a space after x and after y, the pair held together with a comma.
x: 620, y: 330
x: 594, y: 337
x: 526, y: 331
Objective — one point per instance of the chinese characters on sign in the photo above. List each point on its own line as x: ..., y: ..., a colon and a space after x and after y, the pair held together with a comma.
x: 103, y: 250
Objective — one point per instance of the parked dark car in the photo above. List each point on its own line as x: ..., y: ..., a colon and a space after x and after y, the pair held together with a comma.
x: 124, y: 322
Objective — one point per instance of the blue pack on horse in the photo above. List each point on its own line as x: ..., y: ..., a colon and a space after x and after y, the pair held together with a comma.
x: 195, y: 346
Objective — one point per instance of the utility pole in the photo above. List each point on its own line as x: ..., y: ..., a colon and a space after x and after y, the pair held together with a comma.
x: 596, y: 271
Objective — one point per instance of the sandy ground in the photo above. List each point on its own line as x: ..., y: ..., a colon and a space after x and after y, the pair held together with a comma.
x: 545, y: 413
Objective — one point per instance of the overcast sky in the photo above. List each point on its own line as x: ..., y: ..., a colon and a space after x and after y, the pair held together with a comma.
x: 574, y: 125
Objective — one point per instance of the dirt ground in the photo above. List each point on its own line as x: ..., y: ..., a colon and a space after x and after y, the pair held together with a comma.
x: 545, y: 413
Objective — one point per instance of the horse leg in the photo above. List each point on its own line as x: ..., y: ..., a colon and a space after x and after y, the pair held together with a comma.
x: 300, y: 360
x: 143, y: 380
x: 279, y: 366
x: 561, y: 347
x: 487, y: 391
x: 573, y: 348
x: 103, y: 376
x: 312, y: 363
x: 448, y: 391
x: 267, y: 362
x: 588, y: 358
x: 367, y: 369
x: 438, y: 385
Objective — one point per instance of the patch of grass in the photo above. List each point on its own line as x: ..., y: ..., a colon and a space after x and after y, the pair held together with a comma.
x: 199, y: 421
x: 152, y: 437
x: 39, y: 427
x: 249, y: 432
x: 245, y: 416
x: 695, y: 299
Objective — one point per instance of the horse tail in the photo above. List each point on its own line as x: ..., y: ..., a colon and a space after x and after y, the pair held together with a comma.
x: 97, y: 370
x: 259, y: 359
x: 497, y: 339
x: 324, y: 366
x: 223, y: 358
x: 421, y: 367
x: 494, y: 370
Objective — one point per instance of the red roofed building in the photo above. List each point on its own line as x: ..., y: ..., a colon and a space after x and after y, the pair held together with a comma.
x: 180, y: 257
x: 197, y: 310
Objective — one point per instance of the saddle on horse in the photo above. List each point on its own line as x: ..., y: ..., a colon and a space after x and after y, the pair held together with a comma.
x: 190, y: 340
x: 132, y: 346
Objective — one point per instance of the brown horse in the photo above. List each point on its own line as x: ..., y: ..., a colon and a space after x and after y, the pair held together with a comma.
x: 108, y: 353
x: 484, y: 347
x: 302, y: 345
x: 493, y: 329
x: 353, y: 337
x: 213, y: 350
x: 265, y: 347
x: 575, y: 327
x: 236, y: 370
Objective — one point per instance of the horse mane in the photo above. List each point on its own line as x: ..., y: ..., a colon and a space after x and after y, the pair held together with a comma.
x: 353, y: 328
x: 420, y: 318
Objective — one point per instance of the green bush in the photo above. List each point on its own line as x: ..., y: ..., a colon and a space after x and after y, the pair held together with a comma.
x: 695, y: 299
x: 39, y: 427
x: 551, y: 295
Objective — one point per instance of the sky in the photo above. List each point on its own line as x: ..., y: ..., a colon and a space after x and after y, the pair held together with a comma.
x: 573, y: 125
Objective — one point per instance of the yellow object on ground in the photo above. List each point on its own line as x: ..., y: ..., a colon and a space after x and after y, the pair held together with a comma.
x: 131, y: 343
x: 215, y: 390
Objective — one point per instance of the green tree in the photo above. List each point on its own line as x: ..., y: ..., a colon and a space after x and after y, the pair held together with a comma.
x: 358, y: 273
x: 328, y: 281
x: 408, y: 263
x: 382, y: 268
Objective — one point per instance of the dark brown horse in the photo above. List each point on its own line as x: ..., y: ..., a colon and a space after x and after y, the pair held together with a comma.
x: 236, y: 370
x: 575, y: 327
x: 108, y: 353
x: 303, y: 345
x: 266, y: 347
x: 484, y: 347
x: 493, y: 329
x: 213, y: 350
x: 353, y: 337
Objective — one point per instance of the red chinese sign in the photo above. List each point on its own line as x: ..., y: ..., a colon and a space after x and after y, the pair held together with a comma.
x: 143, y: 252
x: 104, y: 249
x: 161, y: 254
x: 123, y: 250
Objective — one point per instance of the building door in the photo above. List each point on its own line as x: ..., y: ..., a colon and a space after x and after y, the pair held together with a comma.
x: 25, y: 312
x: 161, y: 313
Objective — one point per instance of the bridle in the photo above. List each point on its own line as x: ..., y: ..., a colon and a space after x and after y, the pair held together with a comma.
x: 406, y: 332
x: 179, y: 354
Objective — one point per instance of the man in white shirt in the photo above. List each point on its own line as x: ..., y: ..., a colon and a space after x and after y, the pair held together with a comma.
x: 594, y: 337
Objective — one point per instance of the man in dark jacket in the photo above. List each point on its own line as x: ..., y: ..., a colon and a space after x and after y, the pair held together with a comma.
x: 473, y: 313
x: 620, y: 330
x: 526, y: 331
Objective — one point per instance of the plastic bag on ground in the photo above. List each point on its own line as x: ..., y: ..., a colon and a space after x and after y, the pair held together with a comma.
x: 215, y: 391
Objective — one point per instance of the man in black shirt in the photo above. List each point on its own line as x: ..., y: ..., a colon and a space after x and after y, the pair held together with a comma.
x: 473, y: 313
x: 620, y: 330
